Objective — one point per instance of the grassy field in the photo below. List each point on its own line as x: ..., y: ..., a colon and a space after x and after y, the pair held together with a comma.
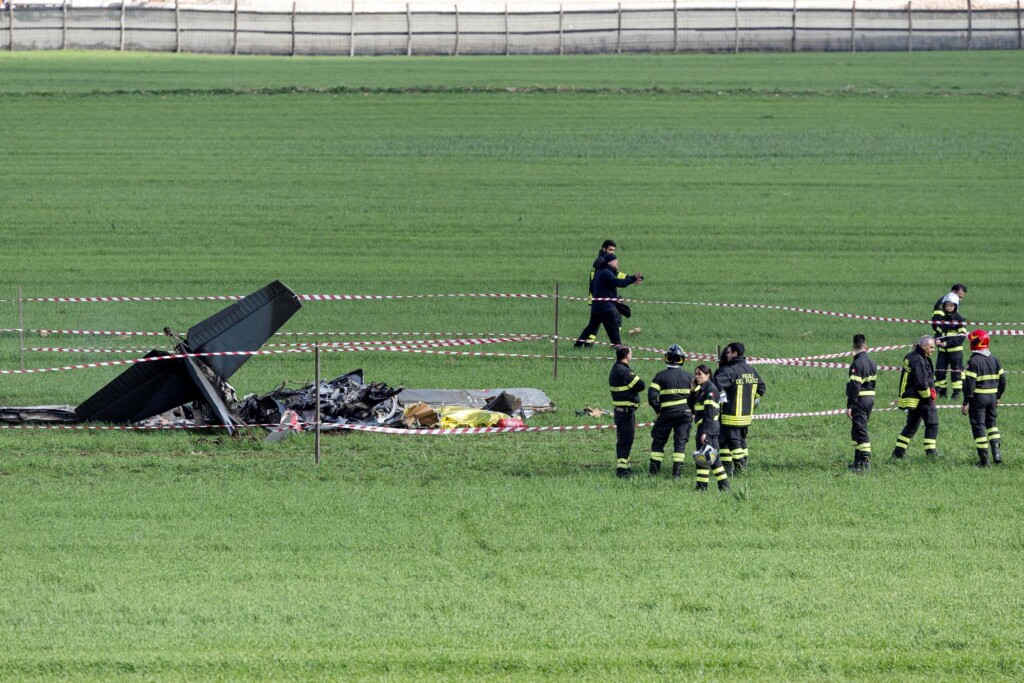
x: 858, y: 183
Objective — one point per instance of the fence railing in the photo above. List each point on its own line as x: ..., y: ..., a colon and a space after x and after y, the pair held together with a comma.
x: 675, y: 28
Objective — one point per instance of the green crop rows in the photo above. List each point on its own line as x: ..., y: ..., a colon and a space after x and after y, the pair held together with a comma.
x: 858, y: 183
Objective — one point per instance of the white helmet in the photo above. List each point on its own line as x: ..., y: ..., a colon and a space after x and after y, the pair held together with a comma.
x: 951, y: 298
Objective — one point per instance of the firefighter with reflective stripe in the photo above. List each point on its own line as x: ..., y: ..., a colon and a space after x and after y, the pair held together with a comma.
x: 667, y: 395
x: 704, y: 403
x: 984, y: 384
x: 741, y: 386
x: 625, y: 387
x: 959, y: 289
x: 917, y: 398
x: 605, y: 287
x: 950, y: 330
x: 860, y: 400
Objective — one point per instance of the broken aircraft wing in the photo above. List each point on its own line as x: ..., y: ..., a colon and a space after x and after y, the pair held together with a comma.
x: 148, y: 389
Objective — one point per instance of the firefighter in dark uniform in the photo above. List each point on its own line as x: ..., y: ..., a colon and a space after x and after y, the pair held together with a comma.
x: 959, y: 289
x: 950, y: 332
x: 608, y: 247
x: 860, y: 400
x: 741, y: 386
x: 703, y: 402
x: 667, y: 394
x: 606, y: 284
x: 984, y: 384
x: 626, y: 387
x: 917, y: 398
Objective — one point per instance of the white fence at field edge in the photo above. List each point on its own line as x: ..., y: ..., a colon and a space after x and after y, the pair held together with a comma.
x: 674, y: 28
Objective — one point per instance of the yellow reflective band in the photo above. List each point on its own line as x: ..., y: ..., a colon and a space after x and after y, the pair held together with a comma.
x: 655, y: 455
x: 971, y: 374
x: 631, y: 404
x: 871, y: 378
x: 718, y: 470
x: 993, y: 390
x: 622, y: 276
x: 721, y: 477
x: 710, y: 403
x: 669, y: 404
x: 703, y: 480
x: 1001, y: 372
x: 952, y: 349
x: 908, y: 402
x: 627, y: 387
x: 866, y: 393
x: 679, y: 457
x: 675, y: 391
x: 993, y: 429
x: 856, y: 378
x: 981, y: 441
x: 925, y: 393
x: 987, y: 378
x: 736, y: 420
x: 655, y: 385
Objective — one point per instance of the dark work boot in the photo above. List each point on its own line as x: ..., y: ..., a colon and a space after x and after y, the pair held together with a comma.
x: 982, y: 458
x: 899, y: 453
x: 933, y: 452
x: 956, y: 394
x: 940, y: 393
x: 997, y: 456
x: 741, y: 464
x: 723, y: 484
x: 623, y: 472
x: 677, y: 470
x: 702, y: 486
x: 856, y: 464
x: 865, y: 462
x: 728, y: 467
x: 654, y: 468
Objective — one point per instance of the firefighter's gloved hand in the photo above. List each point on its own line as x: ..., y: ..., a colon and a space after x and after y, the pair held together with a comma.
x: 934, y: 394
x: 757, y: 402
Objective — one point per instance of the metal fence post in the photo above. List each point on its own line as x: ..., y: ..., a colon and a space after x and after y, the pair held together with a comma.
x: 561, y: 19
x: 1020, y: 36
x: 120, y: 39
x: 10, y: 29
x: 64, y: 26
x: 554, y: 366
x: 316, y: 381
x: 177, y: 28
x: 457, y: 36
x: 234, y: 30
x: 618, y: 33
x: 292, y: 51
x: 506, y: 29
x: 408, y: 31
x: 736, y: 47
x: 675, y: 25
x: 970, y: 24
x: 910, y: 26
x: 792, y: 40
x: 21, y: 328
x: 853, y: 27
x: 352, y: 31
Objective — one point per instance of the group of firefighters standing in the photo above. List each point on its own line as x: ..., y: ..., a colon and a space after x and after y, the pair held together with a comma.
x: 721, y: 404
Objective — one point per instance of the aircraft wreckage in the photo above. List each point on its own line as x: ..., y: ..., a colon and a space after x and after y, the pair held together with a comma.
x: 191, y: 389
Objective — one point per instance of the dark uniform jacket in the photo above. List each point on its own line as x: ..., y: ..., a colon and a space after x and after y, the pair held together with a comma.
x: 703, y: 402
x: 985, y: 375
x: 606, y: 284
x: 599, y: 264
x: 669, y: 392
x: 863, y: 375
x: 916, y: 379
x: 625, y: 385
x: 951, y: 328
x: 739, y: 382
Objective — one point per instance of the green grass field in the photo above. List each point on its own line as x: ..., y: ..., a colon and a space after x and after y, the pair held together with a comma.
x: 860, y: 183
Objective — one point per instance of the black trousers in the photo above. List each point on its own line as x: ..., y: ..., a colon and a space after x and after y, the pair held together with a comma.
x: 954, y: 364
x: 924, y: 413
x: 734, y: 442
x: 678, y: 422
x: 612, y: 322
x: 859, y: 429
x: 625, y: 430
x: 982, y: 413
x: 710, y: 434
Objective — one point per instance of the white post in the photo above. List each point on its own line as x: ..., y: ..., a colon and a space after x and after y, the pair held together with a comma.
x: 506, y: 27
x: 792, y: 40
x: 618, y: 33
x: 352, y: 31
x: 234, y: 30
x: 675, y: 25
x: 292, y: 52
x: 64, y: 27
x: 316, y: 381
x: 853, y: 27
x: 408, y: 31
x: 561, y: 19
x: 21, y: 328
x: 910, y: 26
x: 457, y: 30
x: 120, y: 40
x: 1020, y: 36
x: 736, y: 47
x: 177, y: 28
x: 10, y: 30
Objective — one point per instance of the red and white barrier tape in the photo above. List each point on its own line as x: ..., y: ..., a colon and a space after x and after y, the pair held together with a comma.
x: 449, y: 431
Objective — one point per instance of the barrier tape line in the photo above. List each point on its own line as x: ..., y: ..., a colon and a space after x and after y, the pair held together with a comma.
x: 488, y: 295
x: 443, y: 431
x: 178, y: 356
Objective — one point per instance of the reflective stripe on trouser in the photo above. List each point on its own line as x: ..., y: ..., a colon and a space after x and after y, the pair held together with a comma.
x: 705, y: 468
x: 927, y: 414
x: 678, y: 425
x: 611, y: 320
x: 622, y: 463
x: 731, y: 439
x: 982, y: 413
x: 953, y: 362
x: 862, y: 408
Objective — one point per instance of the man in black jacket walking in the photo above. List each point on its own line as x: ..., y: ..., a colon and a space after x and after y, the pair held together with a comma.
x: 917, y: 398
x: 603, y: 310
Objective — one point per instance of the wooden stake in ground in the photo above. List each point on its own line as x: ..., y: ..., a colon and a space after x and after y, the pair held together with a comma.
x: 316, y: 383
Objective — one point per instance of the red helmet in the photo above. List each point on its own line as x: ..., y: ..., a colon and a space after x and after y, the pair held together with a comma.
x: 978, y: 340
